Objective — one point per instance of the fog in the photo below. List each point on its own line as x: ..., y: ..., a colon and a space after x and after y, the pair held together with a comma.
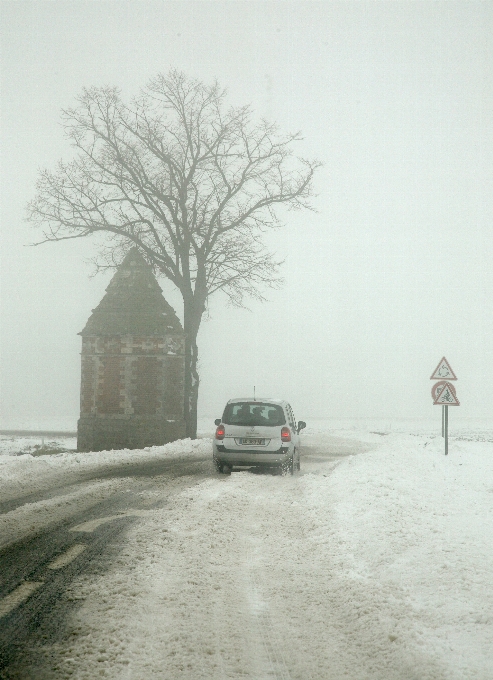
x: 392, y: 271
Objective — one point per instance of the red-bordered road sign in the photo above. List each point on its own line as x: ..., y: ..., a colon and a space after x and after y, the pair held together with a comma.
x: 446, y: 397
x: 443, y: 371
x: 438, y: 387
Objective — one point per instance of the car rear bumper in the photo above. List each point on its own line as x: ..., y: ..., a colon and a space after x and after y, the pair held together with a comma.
x: 251, y: 457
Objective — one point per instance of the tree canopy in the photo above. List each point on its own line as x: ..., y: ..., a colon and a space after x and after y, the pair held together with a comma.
x: 191, y: 182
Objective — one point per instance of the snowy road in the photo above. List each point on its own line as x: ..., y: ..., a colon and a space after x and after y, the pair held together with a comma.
x: 373, y: 564
x: 80, y: 528
x: 85, y: 534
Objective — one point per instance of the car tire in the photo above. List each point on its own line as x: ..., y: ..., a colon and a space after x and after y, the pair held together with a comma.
x: 225, y: 469
x: 287, y: 468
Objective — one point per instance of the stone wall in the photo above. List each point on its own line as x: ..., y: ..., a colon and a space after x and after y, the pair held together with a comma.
x: 132, y: 391
x: 97, y: 433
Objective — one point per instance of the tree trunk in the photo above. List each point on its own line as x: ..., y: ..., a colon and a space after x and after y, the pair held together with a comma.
x: 191, y: 387
x: 192, y: 319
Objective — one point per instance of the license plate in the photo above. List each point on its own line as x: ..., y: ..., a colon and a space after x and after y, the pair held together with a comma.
x: 253, y: 442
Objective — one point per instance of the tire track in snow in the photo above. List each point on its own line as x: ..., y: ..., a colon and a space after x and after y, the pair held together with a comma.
x: 241, y: 614
x: 274, y: 659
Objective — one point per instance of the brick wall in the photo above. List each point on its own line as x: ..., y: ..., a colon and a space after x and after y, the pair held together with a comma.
x: 132, y: 391
x: 146, y: 397
x: 110, y: 385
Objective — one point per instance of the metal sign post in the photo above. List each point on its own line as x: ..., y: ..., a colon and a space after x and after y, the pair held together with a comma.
x: 446, y: 429
x: 435, y: 393
x: 443, y: 393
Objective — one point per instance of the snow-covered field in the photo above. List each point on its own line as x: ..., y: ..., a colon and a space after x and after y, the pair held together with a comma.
x: 372, y: 566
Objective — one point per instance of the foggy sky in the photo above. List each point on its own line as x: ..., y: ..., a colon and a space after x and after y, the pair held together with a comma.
x: 392, y: 272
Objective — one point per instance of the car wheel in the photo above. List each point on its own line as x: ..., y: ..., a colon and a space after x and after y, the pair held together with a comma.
x: 225, y: 469
x: 287, y: 468
x: 216, y: 463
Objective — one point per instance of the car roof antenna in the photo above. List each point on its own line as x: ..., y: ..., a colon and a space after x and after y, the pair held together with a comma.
x: 254, y: 393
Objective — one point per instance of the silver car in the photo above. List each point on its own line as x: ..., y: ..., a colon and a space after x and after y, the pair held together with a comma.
x: 257, y: 433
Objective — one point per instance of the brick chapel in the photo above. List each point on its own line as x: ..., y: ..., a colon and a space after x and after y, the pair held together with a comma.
x: 133, y: 365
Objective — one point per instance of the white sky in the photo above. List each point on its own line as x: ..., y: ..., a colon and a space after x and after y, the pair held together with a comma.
x: 390, y: 274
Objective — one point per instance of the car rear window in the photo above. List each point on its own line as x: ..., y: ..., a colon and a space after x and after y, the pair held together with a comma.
x: 253, y: 413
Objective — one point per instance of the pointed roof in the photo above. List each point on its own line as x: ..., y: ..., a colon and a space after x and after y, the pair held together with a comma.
x: 133, y: 304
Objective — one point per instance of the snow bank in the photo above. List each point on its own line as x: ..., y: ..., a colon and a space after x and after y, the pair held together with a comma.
x: 26, y: 474
x: 415, y: 530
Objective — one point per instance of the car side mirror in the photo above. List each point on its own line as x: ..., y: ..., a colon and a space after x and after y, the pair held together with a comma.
x: 301, y: 425
x: 217, y: 421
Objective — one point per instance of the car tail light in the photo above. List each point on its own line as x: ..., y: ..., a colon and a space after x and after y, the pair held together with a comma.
x: 220, y: 432
x: 285, y: 434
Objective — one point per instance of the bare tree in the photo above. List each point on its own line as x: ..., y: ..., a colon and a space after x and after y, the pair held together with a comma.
x: 191, y: 183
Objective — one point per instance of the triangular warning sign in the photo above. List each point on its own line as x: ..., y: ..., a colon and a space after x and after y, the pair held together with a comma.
x: 446, y: 397
x: 443, y: 371
x: 438, y: 387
